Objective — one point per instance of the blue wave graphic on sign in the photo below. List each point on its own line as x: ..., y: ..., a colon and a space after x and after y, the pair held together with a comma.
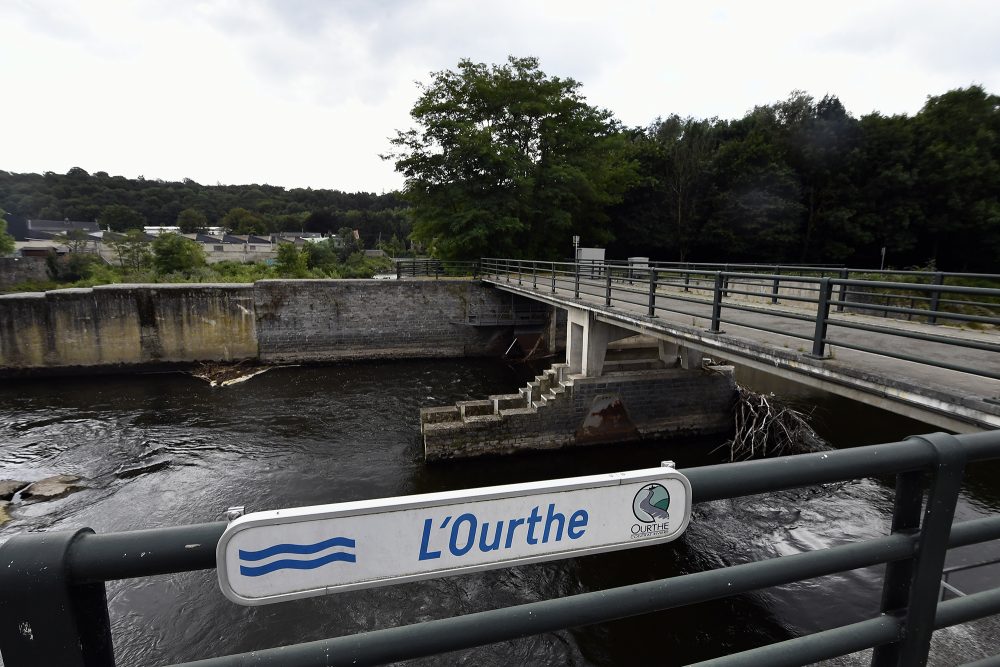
x: 295, y: 564
x: 297, y: 548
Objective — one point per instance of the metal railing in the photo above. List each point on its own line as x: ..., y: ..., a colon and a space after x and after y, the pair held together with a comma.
x: 813, y: 309
x: 52, y: 584
x: 437, y: 268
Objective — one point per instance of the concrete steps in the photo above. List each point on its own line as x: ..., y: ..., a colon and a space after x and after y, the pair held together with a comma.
x: 537, y: 394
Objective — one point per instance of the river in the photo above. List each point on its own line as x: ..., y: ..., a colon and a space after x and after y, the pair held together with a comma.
x: 313, y: 435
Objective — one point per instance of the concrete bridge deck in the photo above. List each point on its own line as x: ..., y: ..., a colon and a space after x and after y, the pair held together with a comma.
x: 957, y: 401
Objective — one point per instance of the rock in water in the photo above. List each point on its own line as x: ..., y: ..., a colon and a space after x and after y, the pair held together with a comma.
x: 141, y: 469
x: 8, y: 487
x: 52, y: 487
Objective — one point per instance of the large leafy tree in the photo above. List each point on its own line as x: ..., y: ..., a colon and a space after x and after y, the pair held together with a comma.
x: 120, y: 218
x: 687, y: 147
x: 506, y: 160
x: 958, y: 142
x: 173, y: 253
x: 191, y: 220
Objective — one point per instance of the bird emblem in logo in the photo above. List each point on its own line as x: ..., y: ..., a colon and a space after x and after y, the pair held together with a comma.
x: 651, y: 503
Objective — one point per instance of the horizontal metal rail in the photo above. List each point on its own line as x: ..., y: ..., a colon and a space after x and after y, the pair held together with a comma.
x: 72, y: 567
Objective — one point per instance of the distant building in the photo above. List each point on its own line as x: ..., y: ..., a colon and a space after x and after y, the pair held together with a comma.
x: 46, y: 230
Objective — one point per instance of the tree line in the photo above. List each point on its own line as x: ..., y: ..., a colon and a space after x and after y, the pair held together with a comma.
x: 122, y: 204
x: 508, y: 161
x: 505, y: 160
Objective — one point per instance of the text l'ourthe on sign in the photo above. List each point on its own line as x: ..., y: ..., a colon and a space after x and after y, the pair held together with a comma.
x: 279, y: 555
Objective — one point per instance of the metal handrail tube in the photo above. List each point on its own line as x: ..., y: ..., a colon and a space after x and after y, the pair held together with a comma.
x: 778, y: 332
x: 967, y: 608
x: 751, y: 477
x: 144, y: 553
x: 856, y: 636
x: 916, y: 335
x: 976, y: 530
x: 783, y: 297
x: 943, y: 314
x: 487, y: 627
x: 767, y: 311
x: 817, y: 646
x: 920, y: 287
x: 917, y: 360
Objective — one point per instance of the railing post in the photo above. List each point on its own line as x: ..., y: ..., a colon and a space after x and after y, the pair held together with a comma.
x: 935, y: 297
x: 607, y: 286
x: 576, y: 279
x: 534, y: 274
x: 687, y: 277
x: 775, y: 285
x: 519, y: 264
x: 652, y: 292
x: 552, y: 272
x: 844, y: 275
x: 46, y: 619
x: 928, y: 563
x: 717, y: 304
x: 822, y: 318
x: 399, y: 271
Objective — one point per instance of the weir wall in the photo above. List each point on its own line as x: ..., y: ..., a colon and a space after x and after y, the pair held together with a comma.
x: 559, y: 410
x: 128, y: 327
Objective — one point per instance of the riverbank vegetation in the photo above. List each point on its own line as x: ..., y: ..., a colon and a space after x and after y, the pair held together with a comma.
x: 507, y: 160
x: 172, y: 258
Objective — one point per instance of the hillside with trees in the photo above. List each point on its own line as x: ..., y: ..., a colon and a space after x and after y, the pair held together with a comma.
x: 122, y: 204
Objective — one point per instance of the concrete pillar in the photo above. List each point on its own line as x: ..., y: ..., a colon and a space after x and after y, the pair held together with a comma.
x: 587, y: 342
x: 574, y: 346
x: 690, y: 358
x: 669, y: 352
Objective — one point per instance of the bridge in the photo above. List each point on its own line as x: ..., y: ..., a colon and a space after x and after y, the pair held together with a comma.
x: 919, y: 344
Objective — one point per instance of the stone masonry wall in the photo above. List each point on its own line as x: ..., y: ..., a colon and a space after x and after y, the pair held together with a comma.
x: 15, y: 270
x: 331, y: 320
x: 560, y: 410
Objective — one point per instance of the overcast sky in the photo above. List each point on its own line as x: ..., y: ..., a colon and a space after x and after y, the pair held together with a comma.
x: 306, y: 93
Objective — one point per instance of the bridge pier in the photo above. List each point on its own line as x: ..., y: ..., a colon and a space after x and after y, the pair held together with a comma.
x: 587, y: 341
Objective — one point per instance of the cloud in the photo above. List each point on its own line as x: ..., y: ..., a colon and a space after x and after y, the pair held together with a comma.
x: 941, y: 37
x: 306, y: 93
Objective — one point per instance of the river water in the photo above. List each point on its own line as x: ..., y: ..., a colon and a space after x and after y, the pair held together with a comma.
x: 314, y: 435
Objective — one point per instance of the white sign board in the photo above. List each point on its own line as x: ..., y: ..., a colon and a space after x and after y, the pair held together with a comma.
x: 284, y: 554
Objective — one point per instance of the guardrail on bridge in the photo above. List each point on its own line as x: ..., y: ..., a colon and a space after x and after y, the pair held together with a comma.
x: 824, y: 303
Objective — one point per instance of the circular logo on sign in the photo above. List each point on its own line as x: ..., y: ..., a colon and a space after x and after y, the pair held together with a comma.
x: 651, y: 503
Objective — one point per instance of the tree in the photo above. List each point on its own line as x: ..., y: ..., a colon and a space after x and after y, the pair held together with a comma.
x: 958, y: 141
x: 172, y: 253
x: 291, y: 262
x: 6, y: 240
x: 349, y: 243
x: 120, y: 218
x: 241, y: 221
x: 687, y: 147
x: 132, y: 250
x: 191, y: 220
x: 509, y: 161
